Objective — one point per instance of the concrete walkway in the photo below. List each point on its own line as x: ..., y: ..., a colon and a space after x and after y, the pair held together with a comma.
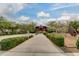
x: 39, y: 45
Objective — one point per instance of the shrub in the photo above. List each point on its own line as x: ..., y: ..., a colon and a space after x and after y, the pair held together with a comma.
x: 45, y: 33
x: 50, y: 30
x: 57, y: 39
x: 78, y: 29
x: 9, y: 43
x: 11, y: 33
x: 30, y: 36
x: 32, y: 30
x: 77, y: 43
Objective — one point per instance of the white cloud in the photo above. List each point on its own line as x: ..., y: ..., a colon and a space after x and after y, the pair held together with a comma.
x: 43, y: 14
x: 46, y: 20
x: 11, y: 8
x: 69, y: 16
x: 24, y: 18
x: 59, y: 6
x: 43, y: 21
x: 64, y: 18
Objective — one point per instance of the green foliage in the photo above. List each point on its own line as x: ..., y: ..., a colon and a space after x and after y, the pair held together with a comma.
x: 53, y: 25
x: 9, y: 43
x: 57, y: 39
x: 77, y: 43
x: 32, y: 30
x: 50, y: 30
x: 45, y: 33
x: 78, y: 29
x: 13, y: 32
x: 31, y: 27
x: 8, y: 25
x: 30, y: 36
x: 74, y: 24
x: 15, y: 28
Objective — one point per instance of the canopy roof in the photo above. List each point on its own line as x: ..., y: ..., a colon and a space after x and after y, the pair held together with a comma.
x: 40, y: 24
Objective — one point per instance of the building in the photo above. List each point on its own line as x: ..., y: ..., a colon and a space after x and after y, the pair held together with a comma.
x: 41, y: 28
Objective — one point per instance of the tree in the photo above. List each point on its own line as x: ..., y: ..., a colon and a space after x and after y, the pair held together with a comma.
x: 73, y: 27
x: 4, y: 24
x: 74, y: 24
x: 53, y: 25
x: 2, y: 18
x: 31, y: 27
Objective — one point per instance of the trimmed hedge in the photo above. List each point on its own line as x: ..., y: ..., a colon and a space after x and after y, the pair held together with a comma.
x: 50, y: 30
x: 57, y: 39
x: 33, y: 30
x: 9, y: 43
x: 45, y: 33
x: 30, y: 36
x: 77, y: 43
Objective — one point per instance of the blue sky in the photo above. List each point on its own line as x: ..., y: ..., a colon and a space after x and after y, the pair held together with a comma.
x: 42, y: 12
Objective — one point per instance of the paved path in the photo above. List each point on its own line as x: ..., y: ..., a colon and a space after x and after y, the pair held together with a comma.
x: 39, y: 45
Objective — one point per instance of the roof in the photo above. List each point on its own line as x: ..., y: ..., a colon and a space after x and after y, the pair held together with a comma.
x: 40, y: 24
